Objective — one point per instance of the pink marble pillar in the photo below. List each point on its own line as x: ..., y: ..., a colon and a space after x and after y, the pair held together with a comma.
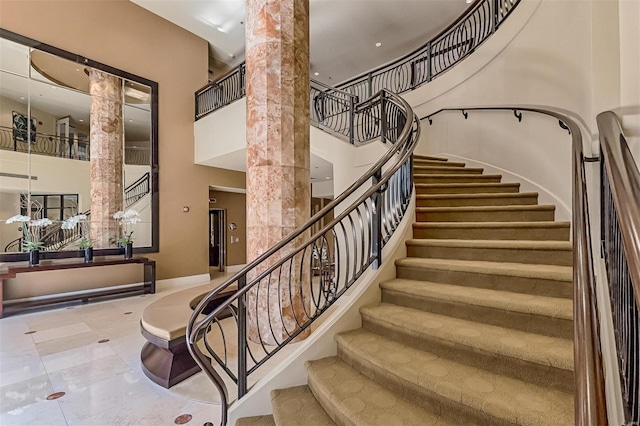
x: 106, y: 145
x: 278, y: 156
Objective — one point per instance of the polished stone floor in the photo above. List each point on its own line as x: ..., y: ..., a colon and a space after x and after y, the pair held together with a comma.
x: 90, y: 352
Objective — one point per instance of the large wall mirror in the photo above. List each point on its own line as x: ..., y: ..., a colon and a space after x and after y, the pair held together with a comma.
x: 77, y: 138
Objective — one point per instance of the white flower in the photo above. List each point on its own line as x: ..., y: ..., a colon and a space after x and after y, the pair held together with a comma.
x: 118, y: 215
x: 71, y: 222
x: 131, y: 214
x: 18, y: 218
x: 40, y: 223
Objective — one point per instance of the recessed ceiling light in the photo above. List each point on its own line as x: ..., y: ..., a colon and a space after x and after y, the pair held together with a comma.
x: 81, y: 120
x: 22, y: 97
x: 316, y: 73
x: 130, y: 121
x: 327, y: 177
x: 77, y: 69
x: 231, y: 55
x: 469, y: 1
x: 378, y: 44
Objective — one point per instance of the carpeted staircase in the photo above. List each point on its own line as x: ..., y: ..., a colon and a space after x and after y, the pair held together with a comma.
x: 475, y: 330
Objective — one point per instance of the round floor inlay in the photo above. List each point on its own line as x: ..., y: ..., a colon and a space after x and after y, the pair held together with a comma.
x: 55, y: 396
x: 30, y: 332
x: 103, y: 341
x: 183, y: 418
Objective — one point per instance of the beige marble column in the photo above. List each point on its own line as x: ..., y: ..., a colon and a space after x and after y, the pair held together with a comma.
x: 278, y: 155
x: 106, y: 145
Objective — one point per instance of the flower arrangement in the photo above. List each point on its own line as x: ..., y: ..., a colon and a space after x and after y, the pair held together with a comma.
x: 125, y: 220
x: 79, y: 219
x: 31, y: 230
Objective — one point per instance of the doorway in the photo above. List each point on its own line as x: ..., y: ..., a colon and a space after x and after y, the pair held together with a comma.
x: 217, y: 239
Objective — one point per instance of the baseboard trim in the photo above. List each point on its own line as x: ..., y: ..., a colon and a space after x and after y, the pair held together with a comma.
x: 189, y: 280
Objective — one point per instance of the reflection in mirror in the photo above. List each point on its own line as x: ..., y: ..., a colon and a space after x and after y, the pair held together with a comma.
x: 14, y: 158
x: 75, y: 139
x: 137, y: 168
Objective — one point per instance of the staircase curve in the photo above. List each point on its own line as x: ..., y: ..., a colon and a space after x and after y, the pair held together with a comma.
x: 324, y: 265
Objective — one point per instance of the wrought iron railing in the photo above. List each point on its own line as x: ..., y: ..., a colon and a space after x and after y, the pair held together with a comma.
x: 61, y: 147
x: 434, y: 58
x: 620, y: 234
x: 54, y: 237
x: 310, y: 271
x: 43, y: 144
x: 589, y: 397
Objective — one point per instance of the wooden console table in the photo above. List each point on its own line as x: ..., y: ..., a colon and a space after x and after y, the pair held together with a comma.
x: 8, y: 271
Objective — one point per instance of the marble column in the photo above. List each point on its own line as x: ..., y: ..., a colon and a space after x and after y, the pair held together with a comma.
x: 106, y: 145
x: 278, y: 156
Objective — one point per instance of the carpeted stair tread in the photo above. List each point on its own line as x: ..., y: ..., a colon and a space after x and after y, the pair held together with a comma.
x: 428, y: 157
x: 476, y: 199
x: 297, y: 406
x: 351, y: 398
x: 486, y: 213
x: 528, y: 230
x: 545, y: 272
x: 551, y: 316
x: 466, y: 188
x: 452, y: 388
x: 455, y: 177
x: 429, y: 169
x: 413, y: 326
x: 256, y: 421
x: 437, y: 163
x: 506, y: 244
x: 516, y: 251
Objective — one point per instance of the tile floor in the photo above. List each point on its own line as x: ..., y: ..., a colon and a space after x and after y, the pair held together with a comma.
x: 59, y: 350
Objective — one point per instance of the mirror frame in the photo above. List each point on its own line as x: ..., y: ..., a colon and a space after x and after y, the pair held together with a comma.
x: 155, y: 204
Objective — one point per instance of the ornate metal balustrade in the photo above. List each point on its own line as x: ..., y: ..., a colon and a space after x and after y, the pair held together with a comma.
x: 620, y: 234
x: 434, y: 58
x: 57, y: 146
x: 589, y: 398
x: 311, y: 271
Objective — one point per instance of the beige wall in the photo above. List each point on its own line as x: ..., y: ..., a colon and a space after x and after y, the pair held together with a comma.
x: 125, y: 36
x: 236, y: 207
x: 45, y: 123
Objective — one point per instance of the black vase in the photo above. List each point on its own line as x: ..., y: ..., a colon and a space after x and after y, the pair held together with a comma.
x: 128, y: 251
x: 34, y: 257
x: 88, y: 254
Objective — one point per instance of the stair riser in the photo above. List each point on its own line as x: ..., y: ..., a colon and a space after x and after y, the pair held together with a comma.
x: 486, y: 216
x: 324, y: 399
x: 541, y: 287
x: 456, y: 179
x: 485, y: 201
x: 420, y: 190
x: 547, y: 257
x: 433, y: 163
x: 445, y: 170
x: 520, y: 369
x: 540, y: 324
x: 477, y: 233
x: 453, y: 410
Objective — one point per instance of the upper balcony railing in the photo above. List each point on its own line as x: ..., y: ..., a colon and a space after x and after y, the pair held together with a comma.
x: 61, y: 147
x: 421, y: 66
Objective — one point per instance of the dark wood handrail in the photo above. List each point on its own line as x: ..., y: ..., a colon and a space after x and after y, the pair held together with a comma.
x: 589, y: 399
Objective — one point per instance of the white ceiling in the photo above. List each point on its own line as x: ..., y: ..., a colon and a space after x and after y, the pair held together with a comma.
x: 343, y: 33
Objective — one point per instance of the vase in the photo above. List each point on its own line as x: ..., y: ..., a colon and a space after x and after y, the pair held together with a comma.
x: 34, y: 257
x: 128, y: 251
x: 88, y: 254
